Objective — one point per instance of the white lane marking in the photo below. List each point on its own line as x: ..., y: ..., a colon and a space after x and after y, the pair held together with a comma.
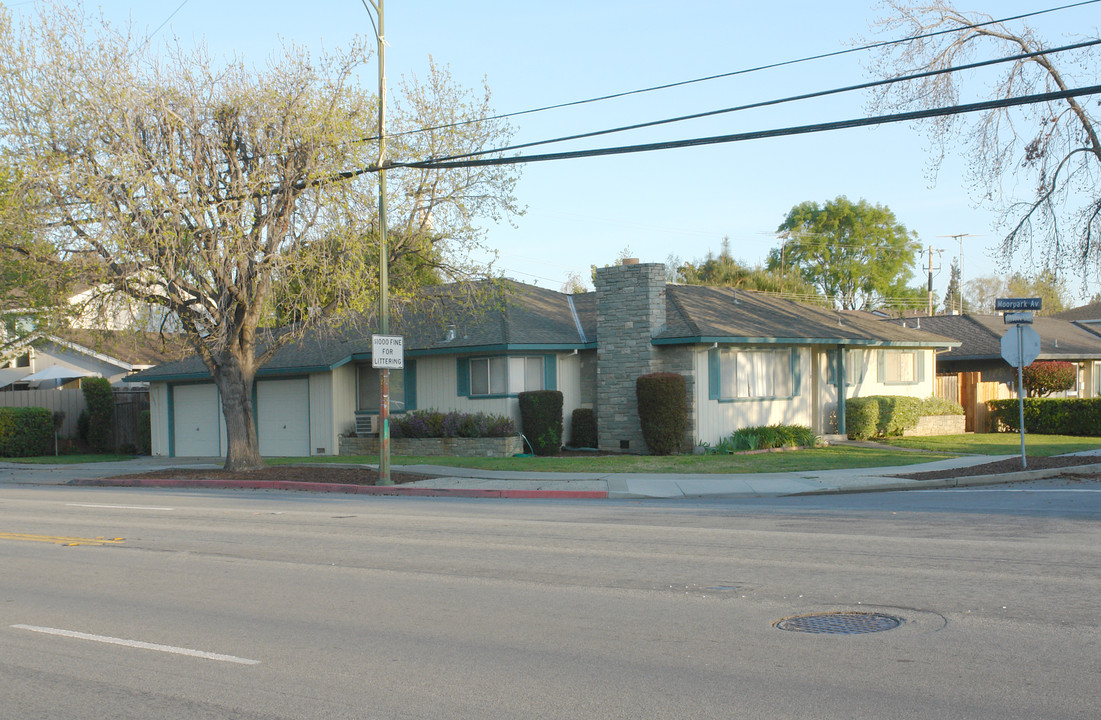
x: 138, y: 644
x: 118, y: 507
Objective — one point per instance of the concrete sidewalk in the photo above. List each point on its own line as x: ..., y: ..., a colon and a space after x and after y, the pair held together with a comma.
x: 466, y: 482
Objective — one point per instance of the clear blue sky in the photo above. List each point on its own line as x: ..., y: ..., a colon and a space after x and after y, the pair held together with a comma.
x: 679, y: 202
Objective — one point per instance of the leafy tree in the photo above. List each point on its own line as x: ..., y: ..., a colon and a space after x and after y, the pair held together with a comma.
x: 1051, y: 147
x: 981, y: 292
x: 857, y: 254
x: 1046, y: 377
x: 1044, y: 285
x: 724, y: 270
x: 197, y: 187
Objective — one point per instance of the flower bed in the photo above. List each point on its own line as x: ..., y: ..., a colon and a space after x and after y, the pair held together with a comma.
x: 435, y: 447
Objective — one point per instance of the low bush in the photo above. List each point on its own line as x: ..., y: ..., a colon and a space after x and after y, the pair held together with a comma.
x: 583, y: 428
x: 1045, y: 377
x: 766, y: 437
x: 1050, y: 416
x: 26, y: 432
x: 891, y: 415
x: 662, y: 411
x: 541, y: 420
x: 437, y: 424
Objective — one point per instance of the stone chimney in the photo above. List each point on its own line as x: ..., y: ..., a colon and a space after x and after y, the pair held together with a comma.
x: 630, y: 311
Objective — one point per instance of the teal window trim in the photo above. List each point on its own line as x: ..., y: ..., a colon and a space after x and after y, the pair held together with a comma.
x: 462, y: 374
x: 714, y: 377
x: 850, y: 362
x: 919, y: 367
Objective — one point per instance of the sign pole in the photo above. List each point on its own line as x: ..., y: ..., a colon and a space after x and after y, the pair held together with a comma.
x: 1021, y: 393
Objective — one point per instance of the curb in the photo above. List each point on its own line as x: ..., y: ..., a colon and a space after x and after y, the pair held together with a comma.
x: 392, y: 490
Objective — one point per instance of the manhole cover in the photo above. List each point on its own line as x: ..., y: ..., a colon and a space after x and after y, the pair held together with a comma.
x: 840, y: 623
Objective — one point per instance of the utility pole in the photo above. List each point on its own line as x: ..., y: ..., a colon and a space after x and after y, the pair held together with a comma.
x: 384, y: 256
x: 930, y: 286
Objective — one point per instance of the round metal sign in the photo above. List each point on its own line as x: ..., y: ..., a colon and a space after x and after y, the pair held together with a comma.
x: 1020, y: 352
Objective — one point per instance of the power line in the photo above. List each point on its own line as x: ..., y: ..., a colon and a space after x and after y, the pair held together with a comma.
x: 759, y: 134
x: 781, y: 101
x: 744, y: 71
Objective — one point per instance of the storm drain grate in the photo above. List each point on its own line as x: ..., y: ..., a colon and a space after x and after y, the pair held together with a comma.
x: 840, y: 623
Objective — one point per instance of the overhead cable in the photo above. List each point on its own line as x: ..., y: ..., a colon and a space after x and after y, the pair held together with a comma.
x: 757, y: 135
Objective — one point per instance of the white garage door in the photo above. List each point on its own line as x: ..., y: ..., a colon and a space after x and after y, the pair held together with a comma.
x: 283, y: 417
x: 197, y: 421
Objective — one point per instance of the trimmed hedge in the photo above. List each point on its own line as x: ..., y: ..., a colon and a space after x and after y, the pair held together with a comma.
x: 890, y: 415
x: 26, y: 432
x: 1050, y: 416
x: 541, y: 420
x: 583, y: 428
x: 662, y: 411
x: 100, y: 399
x: 437, y: 424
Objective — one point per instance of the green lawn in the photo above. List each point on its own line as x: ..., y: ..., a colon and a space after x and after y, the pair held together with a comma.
x: 829, y: 458
x: 999, y: 444
x: 68, y: 459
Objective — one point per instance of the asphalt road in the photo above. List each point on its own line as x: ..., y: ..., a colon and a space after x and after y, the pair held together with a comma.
x: 223, y: 604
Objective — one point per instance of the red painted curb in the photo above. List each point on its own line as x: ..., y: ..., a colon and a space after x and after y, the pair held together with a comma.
x: 346, y: 489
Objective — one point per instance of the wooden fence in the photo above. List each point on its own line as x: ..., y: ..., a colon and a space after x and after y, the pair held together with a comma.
x: 128, y: 407
x: 972, y: 393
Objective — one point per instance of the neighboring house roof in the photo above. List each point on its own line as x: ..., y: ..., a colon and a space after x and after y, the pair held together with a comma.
x: 697, y: 313
x: 517, y: 317
x: 1085, y: 313
x: 980, y: 337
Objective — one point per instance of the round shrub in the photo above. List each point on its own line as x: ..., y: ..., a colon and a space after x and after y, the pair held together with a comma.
x: 100, y: 399
x: 662, y: 411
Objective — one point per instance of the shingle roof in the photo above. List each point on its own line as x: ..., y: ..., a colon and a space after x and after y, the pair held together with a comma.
x: 445, y: 320
x: 712, y: 314
x: 980, y: 337
x: 1091, y: 311
x: 515, y: 316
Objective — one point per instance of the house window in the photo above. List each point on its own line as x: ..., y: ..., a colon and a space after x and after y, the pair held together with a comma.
x: 855, y: 367
x: 900, y: 367
x: 505, y: 375
x: 368, y: 399
x: 740, y: 374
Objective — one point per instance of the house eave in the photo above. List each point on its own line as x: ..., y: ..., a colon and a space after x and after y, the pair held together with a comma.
x: 735, y: 340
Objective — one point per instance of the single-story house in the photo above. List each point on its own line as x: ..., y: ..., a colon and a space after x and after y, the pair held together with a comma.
x: 58, y: 360
x: 748, y: 359
x: 980, y: 373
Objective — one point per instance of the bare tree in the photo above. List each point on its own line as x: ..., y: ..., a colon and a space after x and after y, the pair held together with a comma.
x: 1038, y: 165
x: 198, y: 187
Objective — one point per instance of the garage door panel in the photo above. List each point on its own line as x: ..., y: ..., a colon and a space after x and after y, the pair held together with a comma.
x: 283, y: 417
x: 197, y: 421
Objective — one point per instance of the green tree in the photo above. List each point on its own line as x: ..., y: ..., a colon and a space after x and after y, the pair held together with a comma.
x: 1053, y: 147
x: 856, y: 254
x: 1044, y: 285
x: 724, y: 270
x: 953, y: 296
x: 197, y: 186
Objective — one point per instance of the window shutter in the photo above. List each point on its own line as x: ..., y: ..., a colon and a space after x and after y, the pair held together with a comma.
x: 550, y: 372
x: 831, y: 367
x: 462, y: 377
x: 796, y: 372
x: 882, y: 366
x: 713, y: 374
x: 919, y: 366
x: 410, y: 384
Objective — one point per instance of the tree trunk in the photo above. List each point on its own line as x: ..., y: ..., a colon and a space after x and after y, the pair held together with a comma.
x: 235, y: 386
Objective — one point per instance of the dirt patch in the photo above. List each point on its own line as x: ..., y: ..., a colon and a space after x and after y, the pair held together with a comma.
x: 1010, y: 465
x: 318, y: 473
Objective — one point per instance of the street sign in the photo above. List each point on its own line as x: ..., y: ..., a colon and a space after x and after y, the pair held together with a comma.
x: 387, y: 351
x: 1011, y: 304
x: 1020, y: 351
x: 1017, y: 318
